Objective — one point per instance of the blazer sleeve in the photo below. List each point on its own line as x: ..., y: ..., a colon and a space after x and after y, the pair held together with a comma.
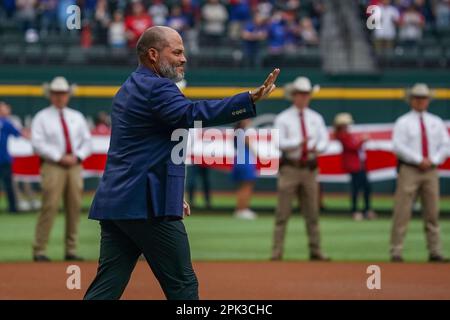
x: 174, y: 109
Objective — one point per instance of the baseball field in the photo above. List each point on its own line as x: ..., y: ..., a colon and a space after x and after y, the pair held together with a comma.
x: 230, y: 254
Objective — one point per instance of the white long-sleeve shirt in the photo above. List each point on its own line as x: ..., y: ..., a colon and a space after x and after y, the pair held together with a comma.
x: 47, y: 135
x: 407, y: 138
x: 290, y: 132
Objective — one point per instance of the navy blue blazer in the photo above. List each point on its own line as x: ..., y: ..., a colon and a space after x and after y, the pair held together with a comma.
x: 140, y: 180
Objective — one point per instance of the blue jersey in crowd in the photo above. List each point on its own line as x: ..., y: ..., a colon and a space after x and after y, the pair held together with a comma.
x: 6, y: 129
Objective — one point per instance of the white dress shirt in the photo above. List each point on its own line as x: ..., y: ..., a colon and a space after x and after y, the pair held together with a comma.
x: 407, y: 138
x: 290, y: 132
x: 47, y: 135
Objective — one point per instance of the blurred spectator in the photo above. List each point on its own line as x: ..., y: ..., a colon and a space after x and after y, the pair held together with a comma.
x: 244, y: 172
x: 292, y: 27
x: 277, y: 34
x: 62, y: 13
x: 116, y: 33
x: 215, y: 16
x: 102, y: 21
x: 26, y: 13
x: 442, y: 12
x: 308, y: 33
x: 177, y: 20
x: 287, y: 5
x: 239, y: 14
x: 137, y: 22
x: 411, y: 24
x: 384, y: 37
x: 7, y: 129
x: 254, y: 34
x: 89, y: 7
x: 159, y: 12
x: 48, y: 16
x: 102, y: 124
x: 10, y: 7
x: 424, y: 8
x: 120, y: 5
x: 316, y: 9
x: 191, y: 11
x: 354, y: 162
x: 264, y: 8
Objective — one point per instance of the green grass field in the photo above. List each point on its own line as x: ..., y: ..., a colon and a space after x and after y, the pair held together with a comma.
x: 218, y: 236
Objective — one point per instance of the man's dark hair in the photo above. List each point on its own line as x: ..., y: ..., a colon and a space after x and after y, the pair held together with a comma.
x: 154, y: 37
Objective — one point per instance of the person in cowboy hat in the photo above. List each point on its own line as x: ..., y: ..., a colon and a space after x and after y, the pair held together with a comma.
x: 354, y: 163
x: 421, y: 142
x: 61, y: 137
x: 303, y: 136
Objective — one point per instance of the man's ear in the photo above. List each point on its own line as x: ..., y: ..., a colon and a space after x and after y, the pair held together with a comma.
x: 153, y: 55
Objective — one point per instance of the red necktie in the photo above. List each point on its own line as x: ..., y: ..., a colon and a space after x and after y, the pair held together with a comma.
x: 66, y: 133
x: 424, y: 138
x: 304, y: 155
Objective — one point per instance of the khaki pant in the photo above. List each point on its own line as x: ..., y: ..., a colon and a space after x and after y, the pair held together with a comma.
x: 412, y: 182
x: 58, y: 182
x: 300, y: 183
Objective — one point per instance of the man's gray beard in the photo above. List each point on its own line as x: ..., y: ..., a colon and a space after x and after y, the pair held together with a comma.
x: 170, y: 72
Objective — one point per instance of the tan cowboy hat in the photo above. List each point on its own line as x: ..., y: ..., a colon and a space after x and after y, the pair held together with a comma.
x: 58, y: 84
x: 300, y: 84
x: 420, y: 90
x: 343, y: 119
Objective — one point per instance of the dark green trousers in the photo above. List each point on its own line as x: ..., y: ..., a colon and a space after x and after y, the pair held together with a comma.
x: 165, y: 246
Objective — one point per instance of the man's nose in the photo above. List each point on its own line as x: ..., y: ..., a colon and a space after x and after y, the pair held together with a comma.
x: 183, y: 59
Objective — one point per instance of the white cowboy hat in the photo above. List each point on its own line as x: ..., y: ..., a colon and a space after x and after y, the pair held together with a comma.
x: 420, y: 90
x: 343, y: 119
x: 58, y: 84
x: 300, y: 84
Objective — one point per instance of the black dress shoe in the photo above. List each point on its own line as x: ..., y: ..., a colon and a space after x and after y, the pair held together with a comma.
x: 396, y: 259
x: 41, y: 258
x: 73, y: 257
x: 319, y: 257
x: 439, y: 259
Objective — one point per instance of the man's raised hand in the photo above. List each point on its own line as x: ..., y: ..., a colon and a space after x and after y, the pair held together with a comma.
x: 267, y: 87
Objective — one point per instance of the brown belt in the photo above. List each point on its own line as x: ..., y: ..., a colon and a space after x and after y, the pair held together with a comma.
x: 301, y: 164
x: 403, y: 163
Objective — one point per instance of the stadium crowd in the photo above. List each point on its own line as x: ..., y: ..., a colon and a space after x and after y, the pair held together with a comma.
x: 276, y: 25
x: 409, y: 23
